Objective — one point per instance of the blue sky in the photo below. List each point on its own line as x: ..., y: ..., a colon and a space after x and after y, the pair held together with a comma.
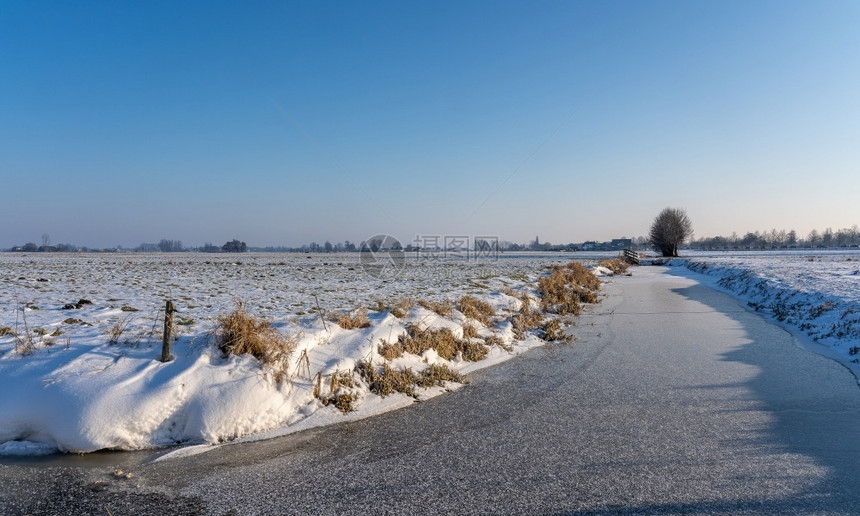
x: 281, y: 123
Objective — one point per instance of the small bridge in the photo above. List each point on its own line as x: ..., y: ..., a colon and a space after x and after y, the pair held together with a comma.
x: 631, y: 256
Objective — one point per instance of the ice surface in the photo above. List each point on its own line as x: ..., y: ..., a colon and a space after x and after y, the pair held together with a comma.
x: 812, y: 293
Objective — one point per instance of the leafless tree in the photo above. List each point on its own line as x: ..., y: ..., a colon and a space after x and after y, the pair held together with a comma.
x: 669, y: 230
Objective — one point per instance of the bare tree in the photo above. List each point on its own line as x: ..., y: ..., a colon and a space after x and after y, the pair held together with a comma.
x: 669, y: 230
x: 234, y: 246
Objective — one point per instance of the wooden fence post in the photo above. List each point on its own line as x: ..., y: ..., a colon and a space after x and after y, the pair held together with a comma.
x: 168, y: 331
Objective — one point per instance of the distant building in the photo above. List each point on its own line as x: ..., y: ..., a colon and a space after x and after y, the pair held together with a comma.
x: 621, y: 243
x: 616, y: 244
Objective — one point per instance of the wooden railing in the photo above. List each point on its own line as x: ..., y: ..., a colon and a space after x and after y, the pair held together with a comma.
x: 631, y: 256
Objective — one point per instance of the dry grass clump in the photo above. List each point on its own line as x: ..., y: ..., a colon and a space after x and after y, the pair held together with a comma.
x: 526, y: 319
x: 580, y: 275
x: 353, y: 320
x: 552, y: 330
x: 115, y: 332
x: 390, y: 351
x: 25, y: 345
x: 616, y: 265
x: 401, y: 308
x: 342, y: 401
x: 472, y: 350
x: 5, y: 330
x: 818, y: 311
x: 566, y: 287
x: 470, y: 332
x: 446, y: 344
x: 239, y: 333
x: 438, y: 374
x: 477, y: 309
x: 495, y: 340
x: 387, y: 380
x: 417, y: 341
x: 443, y: 340
x: 340, y: 379
x: 443, y: 308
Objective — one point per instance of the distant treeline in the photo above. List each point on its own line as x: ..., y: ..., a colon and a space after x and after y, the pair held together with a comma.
x: 164, y: 246
x: 175, y: 246
x: 459, y: 243
x: 773, y: 239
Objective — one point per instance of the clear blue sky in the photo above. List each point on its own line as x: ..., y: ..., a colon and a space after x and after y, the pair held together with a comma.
x: 282, y: 123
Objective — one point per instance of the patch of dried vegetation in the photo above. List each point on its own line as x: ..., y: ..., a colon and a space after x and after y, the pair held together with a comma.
x: 117, y: 330
x: 338, y: 381
x: 566, y: 287
x: 401, y: 308
x: 443, y: 341
x: 438, y: 375
x: 477, y: 309
x: 554, y: 331
x: 616, y: 265
x: 470, y: 332
x: 527, y: 318
x: 443, y: 308
x: 353, y: 320
x: 239, y: 333
x: 387, y: 380
x: 495, y: 340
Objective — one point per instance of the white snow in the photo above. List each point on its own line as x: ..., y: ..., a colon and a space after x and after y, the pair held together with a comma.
x: 75, y: 391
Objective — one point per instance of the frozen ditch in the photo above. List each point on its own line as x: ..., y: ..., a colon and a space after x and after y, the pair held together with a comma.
x: 815, y: 294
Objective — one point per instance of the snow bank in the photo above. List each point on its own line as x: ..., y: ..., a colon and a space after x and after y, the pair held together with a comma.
x: 91, y: 397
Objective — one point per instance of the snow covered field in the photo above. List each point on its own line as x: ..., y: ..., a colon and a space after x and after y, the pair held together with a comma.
x: 815, y: 294
x: 80, y: 338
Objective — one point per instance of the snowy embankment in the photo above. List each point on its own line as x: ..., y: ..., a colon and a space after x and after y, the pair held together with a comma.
x: 815, y: 295
x: 96, y: 396
x: 85, y: 376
